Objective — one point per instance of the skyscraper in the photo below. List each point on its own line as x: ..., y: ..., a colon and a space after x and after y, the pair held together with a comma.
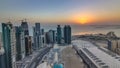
x: 13, y: 47
x: 59, y: 34
x: 0, y: 39
x: 42, y: 31
x: 9, y: 44
x: 30, y: 44
x: 24, y: 27
x: 47, y: 39
x: 42, y: 37
x: 37, y: 36
x: 2, y: 58
x: 50, y: 37
x: 22, y: 40
x: 67, y: 34
x: 20, y: 47
x: 18, y: 43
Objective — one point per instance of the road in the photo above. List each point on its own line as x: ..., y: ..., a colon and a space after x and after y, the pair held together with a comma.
x: 38, y: 58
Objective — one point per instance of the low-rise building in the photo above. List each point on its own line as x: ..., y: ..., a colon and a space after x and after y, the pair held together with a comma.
x: 96, y: 57
x: 114, y: 45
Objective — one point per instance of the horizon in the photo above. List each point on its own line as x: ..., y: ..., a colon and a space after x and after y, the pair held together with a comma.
x: 78, y: 29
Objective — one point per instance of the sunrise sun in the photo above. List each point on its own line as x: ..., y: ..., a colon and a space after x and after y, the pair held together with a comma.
x: 82, y: 20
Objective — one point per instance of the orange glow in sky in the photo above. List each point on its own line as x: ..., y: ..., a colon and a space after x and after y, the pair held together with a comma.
x: 83, y: 19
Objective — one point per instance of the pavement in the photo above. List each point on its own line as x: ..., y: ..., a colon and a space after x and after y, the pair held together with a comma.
x: 70, y: 59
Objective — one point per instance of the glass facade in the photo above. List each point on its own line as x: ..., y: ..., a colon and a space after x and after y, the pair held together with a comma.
x: 6, y: 28
x: 67, y: 34
x: 59, y: 34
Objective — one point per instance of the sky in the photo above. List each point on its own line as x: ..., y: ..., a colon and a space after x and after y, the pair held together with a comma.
x: 61, y: 11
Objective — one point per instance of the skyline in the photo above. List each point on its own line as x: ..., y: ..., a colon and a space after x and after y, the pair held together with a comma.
x: 59, y: 33
x: 62, y: 11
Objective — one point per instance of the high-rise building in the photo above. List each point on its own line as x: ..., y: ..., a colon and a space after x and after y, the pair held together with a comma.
x: 24, y: 27
x: 42, y: 31
x: 54, y: 36
x: 9, y: 44
x: 59, y: 34
x: 34, y: 39
x: 22, y: 40
x: 18, y: 43
x: 0, y: 40
x: 50, y: 37
x: 67, y: 34
x: 30, y: 44
x: 42, y: 37
x: 13, y: 47
x: 47, y: 39
x: 20, y: 47
x: 2, y: 59
x: 37, y: 36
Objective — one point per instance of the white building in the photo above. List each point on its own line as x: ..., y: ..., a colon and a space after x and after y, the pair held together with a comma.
x: 1, y: 45
x: 97, y: 57
x: 13, y: 47
x: 115, y: 46
x: 22, y: 37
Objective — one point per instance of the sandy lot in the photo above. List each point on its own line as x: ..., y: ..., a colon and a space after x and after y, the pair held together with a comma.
x: 71, y: 59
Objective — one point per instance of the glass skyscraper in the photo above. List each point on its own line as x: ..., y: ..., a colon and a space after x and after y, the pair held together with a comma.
x: 2, y: 58
x: 67, y: 34
x: 9, y: 45
x: 20, y: 47
x: 37, y: 36
x: 24, y: 27
x: 59, y: 34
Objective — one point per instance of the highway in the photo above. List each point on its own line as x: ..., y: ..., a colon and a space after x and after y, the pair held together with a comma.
x: 38, y: 58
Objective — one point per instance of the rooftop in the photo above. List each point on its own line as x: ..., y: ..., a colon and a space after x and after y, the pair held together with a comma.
x: 100, y: 56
